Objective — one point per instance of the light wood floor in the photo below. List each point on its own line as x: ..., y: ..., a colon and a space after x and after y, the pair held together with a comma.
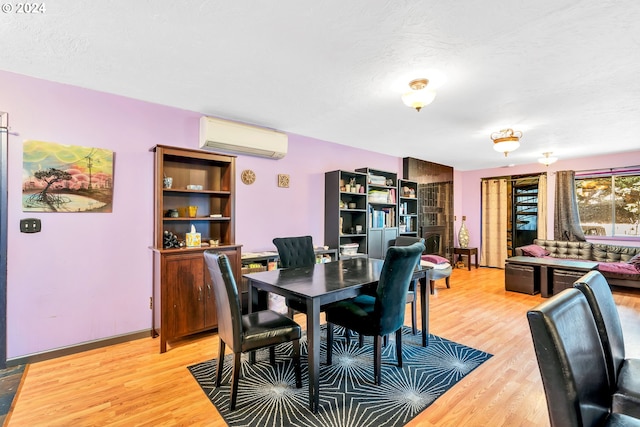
x: 132, y: 384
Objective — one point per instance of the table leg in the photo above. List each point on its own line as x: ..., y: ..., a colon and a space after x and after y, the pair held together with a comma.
x: 424, y: 309
x: 313, y: 349
x: 476, y: 259
x: 545, y: 288
x: 469, y: 260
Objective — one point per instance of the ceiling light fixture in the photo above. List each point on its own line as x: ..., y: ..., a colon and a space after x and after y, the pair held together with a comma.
x: 547, y: 159
x: 419, y: 96
x: 506, y: 140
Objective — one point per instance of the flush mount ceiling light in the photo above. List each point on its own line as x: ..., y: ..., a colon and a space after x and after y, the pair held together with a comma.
x: 547, y: 159
x: 419, y: 96
x: 506, y: 140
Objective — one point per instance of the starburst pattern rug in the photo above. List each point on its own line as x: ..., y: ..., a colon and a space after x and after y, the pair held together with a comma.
x: 267, y: 395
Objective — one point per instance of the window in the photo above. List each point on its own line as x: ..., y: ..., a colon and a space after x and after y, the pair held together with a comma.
x: 609, y: 203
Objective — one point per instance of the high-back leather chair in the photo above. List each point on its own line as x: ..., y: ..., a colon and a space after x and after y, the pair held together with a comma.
x: 295, y: 252
x: 572, y: 363
x: 385, y: 313
x: 243, y: 333
x: 624, y: 374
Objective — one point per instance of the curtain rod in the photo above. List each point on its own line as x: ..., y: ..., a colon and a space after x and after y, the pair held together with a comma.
x: 609, y: 170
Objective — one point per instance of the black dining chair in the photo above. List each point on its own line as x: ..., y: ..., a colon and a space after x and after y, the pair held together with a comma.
x: 295, y: 252
x: 248, y: 332
x: 412, y: 295
x: 624, y: 374
x: 384, y: 314
x: 572, y: 363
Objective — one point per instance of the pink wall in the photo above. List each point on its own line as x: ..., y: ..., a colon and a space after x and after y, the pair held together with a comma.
x: 467, y: 188
x: 89, y: 276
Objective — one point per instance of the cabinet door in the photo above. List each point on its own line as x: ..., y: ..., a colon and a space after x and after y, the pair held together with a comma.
x: 379, y: 241
x: 183, y: 276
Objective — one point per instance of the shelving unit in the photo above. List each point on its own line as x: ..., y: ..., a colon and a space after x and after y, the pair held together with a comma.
x: 345, y: 211
x: 183, y: 301
x: 525, y: 214
x: 408, y: 208
x: 382, y: 215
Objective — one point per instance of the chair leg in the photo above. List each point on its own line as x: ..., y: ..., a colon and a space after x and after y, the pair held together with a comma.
x: 296, y: 363
x: 235, y: 377
x: 447, y: 282
x: 399, y: 347
x: 272, y: 355
x: 329, y: 342
x: 414, y: 316
x: 220, y: 363
x: 432, y: 285
x: 377, y: 359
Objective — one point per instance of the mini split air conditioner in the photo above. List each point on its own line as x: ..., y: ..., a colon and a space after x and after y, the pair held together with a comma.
x: 239, y: 138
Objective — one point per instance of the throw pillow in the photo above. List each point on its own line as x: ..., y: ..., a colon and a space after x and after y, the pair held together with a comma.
x: 436, y: 259
x: 635, y: 261
x: 534, y: 250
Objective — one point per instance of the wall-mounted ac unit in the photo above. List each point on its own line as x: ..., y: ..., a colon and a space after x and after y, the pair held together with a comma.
x: 239, y: 138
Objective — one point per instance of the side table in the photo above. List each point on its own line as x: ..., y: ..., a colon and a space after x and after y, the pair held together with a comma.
x: 468, y: 252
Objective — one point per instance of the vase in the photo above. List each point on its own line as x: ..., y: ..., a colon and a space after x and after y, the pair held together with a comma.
x: 463, y: 236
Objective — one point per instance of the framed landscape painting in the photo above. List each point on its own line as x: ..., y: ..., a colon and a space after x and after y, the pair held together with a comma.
x: 66, y: 178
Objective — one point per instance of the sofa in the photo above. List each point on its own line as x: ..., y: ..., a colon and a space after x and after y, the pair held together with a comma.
x: 620, y: 265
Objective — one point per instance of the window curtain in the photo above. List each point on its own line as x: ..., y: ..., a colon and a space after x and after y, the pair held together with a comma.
x: 567, y: 221
x: 495, y: 211
x: 542, y: 206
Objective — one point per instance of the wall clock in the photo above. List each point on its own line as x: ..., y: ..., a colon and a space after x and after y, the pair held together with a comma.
x: 248, y: 176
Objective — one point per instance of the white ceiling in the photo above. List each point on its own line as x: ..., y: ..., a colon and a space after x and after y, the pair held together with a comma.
x: 565, y: 73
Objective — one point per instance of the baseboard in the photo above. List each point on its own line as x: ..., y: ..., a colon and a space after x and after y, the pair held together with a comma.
x: 89, y: 345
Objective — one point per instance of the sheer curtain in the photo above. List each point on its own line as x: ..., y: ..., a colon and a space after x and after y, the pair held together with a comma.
x: 495, y: 211
x: 567, y: 220
x: 542, y: 206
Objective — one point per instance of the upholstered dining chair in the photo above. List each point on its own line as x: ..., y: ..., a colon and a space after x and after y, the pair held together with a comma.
x: 572, y: 363
x: 383, y: 314
x: 244, y: 333
x: 295, y: 252
x: 624, y: 374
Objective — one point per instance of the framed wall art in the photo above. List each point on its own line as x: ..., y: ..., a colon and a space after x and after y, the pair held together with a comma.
x: 66, y: 178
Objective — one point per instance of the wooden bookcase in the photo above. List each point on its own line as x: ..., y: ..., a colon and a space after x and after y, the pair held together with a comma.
x: 408, y: 212
x: 382, y: 213
x: 345, y: 210
x: 183, y: 301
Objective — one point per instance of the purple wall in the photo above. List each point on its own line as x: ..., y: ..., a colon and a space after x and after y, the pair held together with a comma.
x: 467, y: 188
x: 89, y: 276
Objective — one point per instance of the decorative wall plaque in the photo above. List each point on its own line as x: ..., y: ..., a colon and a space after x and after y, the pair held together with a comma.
x: 248, y: 176
x: 283, y: 180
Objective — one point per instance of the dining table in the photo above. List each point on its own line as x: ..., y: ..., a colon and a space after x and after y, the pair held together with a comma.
x: 323, y: 284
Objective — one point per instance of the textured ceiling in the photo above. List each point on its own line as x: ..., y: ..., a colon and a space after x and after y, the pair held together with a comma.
x: 565, y: 73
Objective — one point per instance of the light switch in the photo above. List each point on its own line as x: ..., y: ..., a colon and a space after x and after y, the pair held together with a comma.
x: 30, y: 225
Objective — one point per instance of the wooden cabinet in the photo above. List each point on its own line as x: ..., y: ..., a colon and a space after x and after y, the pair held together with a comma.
x: 382, y: 214
x: 408, y: 208
x: 183, y: 301
x: 345, y: 210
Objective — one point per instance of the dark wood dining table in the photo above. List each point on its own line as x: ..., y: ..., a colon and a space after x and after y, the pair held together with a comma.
x: 323, y: 284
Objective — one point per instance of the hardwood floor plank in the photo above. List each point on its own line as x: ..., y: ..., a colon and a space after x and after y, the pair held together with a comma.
x: 132, y: 384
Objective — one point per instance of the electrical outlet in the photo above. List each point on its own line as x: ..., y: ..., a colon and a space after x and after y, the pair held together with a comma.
x: 30, y: 225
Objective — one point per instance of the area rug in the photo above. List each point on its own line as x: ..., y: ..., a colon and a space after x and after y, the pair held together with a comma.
x: 267, y: 395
